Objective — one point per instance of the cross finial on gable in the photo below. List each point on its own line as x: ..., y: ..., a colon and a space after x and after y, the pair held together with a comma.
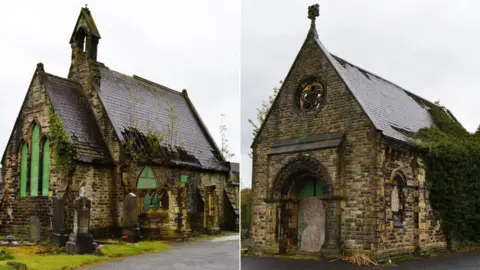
x: 313, y: 13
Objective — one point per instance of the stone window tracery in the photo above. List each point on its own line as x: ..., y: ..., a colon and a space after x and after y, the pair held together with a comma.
x: 310, y: 95
x: 35, y: 164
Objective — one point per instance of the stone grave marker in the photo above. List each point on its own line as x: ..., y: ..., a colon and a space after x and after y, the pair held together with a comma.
x: 80, y: 240
x: 130, y: 218
x: 59, y: 235
x: 34, y: 229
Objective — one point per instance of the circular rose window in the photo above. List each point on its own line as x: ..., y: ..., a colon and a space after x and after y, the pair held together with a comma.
x: 310, y: 96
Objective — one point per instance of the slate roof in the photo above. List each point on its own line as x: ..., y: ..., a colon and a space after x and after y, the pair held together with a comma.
x: 131, y: 101
x: 391, y: 109
x: 71, y: 105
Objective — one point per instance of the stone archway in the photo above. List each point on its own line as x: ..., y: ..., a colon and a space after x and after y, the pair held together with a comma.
x: 308, y: 217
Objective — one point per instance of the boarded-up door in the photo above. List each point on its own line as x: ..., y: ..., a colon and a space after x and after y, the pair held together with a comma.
x: 311, y: 217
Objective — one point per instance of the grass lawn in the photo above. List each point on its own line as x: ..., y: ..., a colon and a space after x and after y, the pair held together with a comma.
x: 41, y: 257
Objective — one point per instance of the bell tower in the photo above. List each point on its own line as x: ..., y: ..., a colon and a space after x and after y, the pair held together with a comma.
x: 85, y: 37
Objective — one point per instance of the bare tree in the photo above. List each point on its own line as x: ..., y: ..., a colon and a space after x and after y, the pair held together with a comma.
x: 262, y: 112
x: 225, y: 149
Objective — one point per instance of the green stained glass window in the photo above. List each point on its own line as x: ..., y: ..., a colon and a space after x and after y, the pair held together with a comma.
x: 155, y: 201
x: 34, y: 169
x: 23, y: 170
x: 146, y: 202
x: 212, y: 181
x: 183, y: 178
x: 46, y: 167
x: 147, y: 179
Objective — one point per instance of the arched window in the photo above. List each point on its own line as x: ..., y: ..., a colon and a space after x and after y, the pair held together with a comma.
x: 146, y: 202
x: 23, y: 170
x: 165, y: 200
x: 155, y: 201
x: 147, y: 179
x: 34, y: 169
x: 398, y: 200
x: 45, y: 167
x: 80, y: 38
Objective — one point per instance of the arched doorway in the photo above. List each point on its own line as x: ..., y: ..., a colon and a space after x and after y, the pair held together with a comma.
x: 302, y: 192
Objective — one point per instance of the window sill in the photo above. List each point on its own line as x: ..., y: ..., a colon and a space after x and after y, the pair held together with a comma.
x: 33, y: 198
x: 397, y: 224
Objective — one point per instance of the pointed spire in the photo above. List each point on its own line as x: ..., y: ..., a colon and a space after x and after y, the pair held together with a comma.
x: 313, y: 13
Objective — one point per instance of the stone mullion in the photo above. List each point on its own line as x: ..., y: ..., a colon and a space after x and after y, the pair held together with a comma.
x: 186, y: 223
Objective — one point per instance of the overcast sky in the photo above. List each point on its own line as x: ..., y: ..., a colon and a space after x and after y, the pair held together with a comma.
x: 428, y: 47
x: 180, y: 44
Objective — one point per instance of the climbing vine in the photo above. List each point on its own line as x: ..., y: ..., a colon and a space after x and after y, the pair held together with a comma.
x: 65, y: 152
x: 452, y: 164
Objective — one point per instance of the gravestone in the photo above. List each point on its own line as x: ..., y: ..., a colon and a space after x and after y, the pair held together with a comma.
x: 34, y: 229
x: 59, y: 235
x: 81, y: 240
x: 130, y: 218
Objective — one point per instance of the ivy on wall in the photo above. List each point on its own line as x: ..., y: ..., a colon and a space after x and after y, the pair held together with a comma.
x: 65, y: 152
x: 452, y: 164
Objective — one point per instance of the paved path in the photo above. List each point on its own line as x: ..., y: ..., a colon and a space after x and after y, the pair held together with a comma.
x: 458, y: 261
x: 219, y: 253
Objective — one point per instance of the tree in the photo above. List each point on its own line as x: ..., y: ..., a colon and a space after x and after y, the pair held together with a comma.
x: 262, y: 112
x: 225, y: 149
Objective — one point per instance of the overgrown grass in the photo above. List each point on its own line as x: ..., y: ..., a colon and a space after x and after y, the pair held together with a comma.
x: 133, y: 249
x: 44, y: 257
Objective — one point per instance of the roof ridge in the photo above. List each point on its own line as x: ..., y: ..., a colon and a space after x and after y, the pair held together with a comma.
x: 163, y: 87
x: 381, y: 78
x: 61, y: 78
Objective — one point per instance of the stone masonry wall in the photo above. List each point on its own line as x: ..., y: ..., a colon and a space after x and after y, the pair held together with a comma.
x: 341, y: 112
x: 419, y: 228
x: 16, y: 211
x: 101, y: 188
x: 164, y: 223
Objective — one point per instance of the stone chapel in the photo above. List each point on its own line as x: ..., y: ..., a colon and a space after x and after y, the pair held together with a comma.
x: 334, y: 168
x: 110, y: 135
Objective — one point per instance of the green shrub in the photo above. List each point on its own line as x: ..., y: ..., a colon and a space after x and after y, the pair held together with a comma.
x: 452, y: 164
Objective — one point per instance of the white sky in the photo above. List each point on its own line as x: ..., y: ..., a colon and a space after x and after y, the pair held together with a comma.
x: 180, y: 44
x: 428, y: 47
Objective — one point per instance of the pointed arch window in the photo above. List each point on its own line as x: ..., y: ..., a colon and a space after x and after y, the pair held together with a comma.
x: 147, y: 179
x: 35, y: 161
x: 146, y: 202
x: 155, y: 201
x: 45, y: 167
x: 23, y: 170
